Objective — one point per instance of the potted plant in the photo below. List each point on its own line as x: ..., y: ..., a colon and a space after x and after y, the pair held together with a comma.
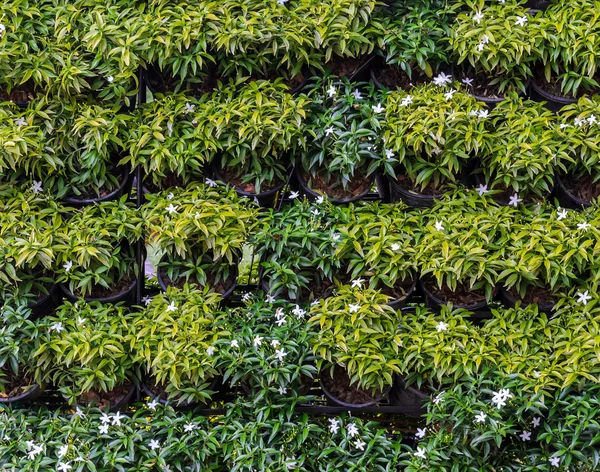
x: 413, y: 44
x: 298, y: 248
x: 357, y: 343
x: 523, y: 154
x: 577, y: 186
x: 175, y: 342
x: 83, y: 351
x: 98, y: 258
x: 434, y: 133
x: 494, y: 47
x: 268, y: 350
x: 17, y: 336
x: 200, y: 232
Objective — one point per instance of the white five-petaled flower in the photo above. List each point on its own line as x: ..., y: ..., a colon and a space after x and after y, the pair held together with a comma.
x: 579, y: 121
x: 420, y: 453
x: 441, y: 326
x: 442, y: 79
x: 20, y: 121
x: 477, y: 17
x: 315, y: 212
x: 172, y: 209
x: 485, y: 39
x: 515, y: 200
x: 246, y: 297
x: 555, y: 461
x: 280, y: 354
x: 105, y: 419
x: 154, y: 444
x: 329, y: 131
x: 467, y: 81
x: 110, y: 79
x: 116, y: 419
x: 521, y: 21
x: 357, y: 283
x: 210, y: 350
x: 62, y: 450
x: 281, y: 2
x: 483, y: 114
x: 189, y: 427
x: 353, y: 308
x: 58, y: 327
x: 67, y: 266
x: 500, y: 398
x: 378, y: 108
x: 146, y: 300
x: 360, y: 444
x: 561, y: 214
x: 480, y: 46
x: 320, y: 199
x: 63, y: 466
x: 280, y: 321
x: 352, y: 430
x: 448, y: 95
x: 592, y: 119
x: 234, y: 343
x: 482, y: 189
x: 30, y: 445
x: 331, y: 91
x: 282, y: 390
x: 421, y: 432
x: 258, y: 341
x: 171, y: 196
x: 275, y: 343
x: 294, y: 194
x: 189, y: 108
x: 395, y: 247
x: 583, y: 226
x: 536, y: 421
x: 211, y: 183
x: 298, y: 312
x: 439, y: 398
x: 270, y: 299
x: 334, y: 425
x: 357, y: 94
x: 389, y: 154
x: 563, y: 125
x: 37, y: 187
x: 583, y: 297
x: 103, y: 429
x: 480, y: 418
x: 2, y: 29
x: 153, y: 404
x: 79, y: 413
x: 406, y: 101
x: 35, y: 450
x: 171, y: 307
x: 525, y: 436
x: 439, y: 226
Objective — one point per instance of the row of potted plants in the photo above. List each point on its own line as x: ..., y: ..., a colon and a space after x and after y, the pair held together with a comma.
x: 337, y: 136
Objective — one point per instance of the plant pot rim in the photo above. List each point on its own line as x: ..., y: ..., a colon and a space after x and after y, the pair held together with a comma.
x: 34, y: 391
x: 512, y: 300
x: 44, y: 297
x: 122, y: 403
x: 336, y: 201
x: 77, y: 202
x: 146, y: 390
x: 334, y: 399
x: 561, y: 185
x: 475, y: 306
x: 550, y: 97
x: 399, y: 302
x: 113, y: 298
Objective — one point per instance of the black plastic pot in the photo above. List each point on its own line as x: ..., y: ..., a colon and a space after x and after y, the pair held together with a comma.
x: 312, y: 195
x: 26, y: 397
x: 123, y: 403
x: 568, y: 199
x: 264, y: 285
x: 436, y: 303
x: 225, y: 296
x: 266, y: 199
x: 510, y: 301
x: 553, y: 102
x: 216, y: 381
x: 398, y: 193
x: 399, y: 303
x: 540, y: 5
x: 401, y: 395
x: 46, y: 303
x: 127, y: 295
x: 335, y: 400
x: 125, y: 179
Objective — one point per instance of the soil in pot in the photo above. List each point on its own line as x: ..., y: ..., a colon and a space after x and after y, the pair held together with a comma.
x: 161, y: 82
x: 356, y: 186
x: 102, y: 400
x: 462, y: 296
x: 541, y: 296
x: 554, y: 87
x: 102, y: 292
x: 481, y: 86
x: 339, y: 387
x: 220, y: 287
x: 582, y: 187
x: 89, y: 194
x: 400, y: 291
x: 430, y: 189
x: 23, y: 95
x: 345, y: 66
x: 392, y: 77
x: 14, y: 385
x: 168, y: 181
x: 232, y: 176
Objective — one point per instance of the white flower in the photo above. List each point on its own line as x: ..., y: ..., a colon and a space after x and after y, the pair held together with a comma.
x: 116, y: 420
x: 211, y: 183
x: 448, y: 95
x: 514, y: 200
x: 282, y: 390
x: 378, y: 108
x: 406, y: 101
x: 360, y: 445
x: 2, y: 29
x: 442, y: 79
x: 357, y: 283
x: 280, y: 321
x: 154, y: 444
x: 561, y: 214
x: 536, y: 421
x: 357, y: 94
x: 353, y: 308
x: 329, y: 131
x: 79, y: 413
x: 583, y: 297
x: 441, y: 326
x: 555, y: 461
x: 467, y: 81
x: 171, y: 307
x: 320, y: 199
x: 153, y: 404
x: 63, y: 467
x: 110, y: 79
x: 579, y: 121
x: 480, y: 418
x: 592, y: 119
x: 334, y: 425
x: 502, y: 1
x: 58, y: 327
x: 210, y: 350
x: 234, y: 343
x: 172, y: 209
x: 500, y: 398
x: 439, y: 226
x: 170, y: 131
x: 275, y: 343
x: 483, y: 114
x: 485, y: 39
x: 279, y: 313
x: 439, y: 398
x: 395, y: 247
x: 246, y: 297
x: 331, y: 91
x: 258, y: 341
x: 525, y: 436
x: 298, y: 312
x: 335, y: 237
x: 482, y: 189
x: 421, y: 432
x: 67, y: 266
x: 30, y: 445
x: 189, y: 427
x: 37, y: 187
x: 352, y: 430
x: 103, y: 429
x: 189, y: 108
x: 270, y: 299
x: 146, y: 300
x: 521, y: 21
x: 281, y: 2
x: 480, y: 47
x: 280, y: 354
x: 584, y: 226
x: 20, y: 121
x: 420, y: 453
x: 36, y: 450
x: 389, y: 154
x: 294, y: 195
x: 315, y: 212
x: 563, y: 125
x: 62, y: 450
x: 477, y: 17
x: 105, y: 419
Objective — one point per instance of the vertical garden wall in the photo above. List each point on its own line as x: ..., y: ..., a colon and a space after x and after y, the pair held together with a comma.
x: 274, y: 235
